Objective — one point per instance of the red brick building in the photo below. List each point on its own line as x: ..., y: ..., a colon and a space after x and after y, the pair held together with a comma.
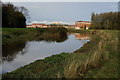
x: 37, y: 25
x: 82, y: 24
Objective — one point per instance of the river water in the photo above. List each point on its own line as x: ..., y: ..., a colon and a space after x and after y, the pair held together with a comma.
x: 29, y: 51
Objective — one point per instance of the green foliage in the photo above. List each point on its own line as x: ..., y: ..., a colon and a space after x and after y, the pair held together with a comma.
x: 107, y: 20
x: 17, y: 39
x: 60, y: 30
x: 12, y: 17
x: 28, y: 34
x: 96, y: 59
x: 82, y: 31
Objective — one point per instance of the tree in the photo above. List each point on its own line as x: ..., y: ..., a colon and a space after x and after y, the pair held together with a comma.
x: 25, y: 13
x: 107, y: 20
x: 12, y: 17
x: 0, y: 14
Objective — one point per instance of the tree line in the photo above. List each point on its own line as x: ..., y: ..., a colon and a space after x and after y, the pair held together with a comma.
x: 109, y: 20
x: 13, y: 16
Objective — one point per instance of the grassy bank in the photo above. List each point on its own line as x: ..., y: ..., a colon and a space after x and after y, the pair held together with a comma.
x: 28, y: 34
x: 15, y: 39
x: 96, y: 59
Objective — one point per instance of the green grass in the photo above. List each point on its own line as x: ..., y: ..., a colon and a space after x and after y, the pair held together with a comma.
x: 96, y: 59
x: 28, y: 34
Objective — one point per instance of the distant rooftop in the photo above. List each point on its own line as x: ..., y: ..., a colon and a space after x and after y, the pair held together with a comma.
x: 84, y: 21
x: 37, y: 24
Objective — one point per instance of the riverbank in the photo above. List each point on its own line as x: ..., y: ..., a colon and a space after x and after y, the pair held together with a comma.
x: 17, y: 37
x: 96, y: 59
x: 28, y: 34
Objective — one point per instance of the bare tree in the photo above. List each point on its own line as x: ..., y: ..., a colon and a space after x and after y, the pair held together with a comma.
x: 25, y: 13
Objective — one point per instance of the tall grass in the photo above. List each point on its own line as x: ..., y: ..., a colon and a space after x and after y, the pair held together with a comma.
x: 96, y: 59
x: 28, y: 34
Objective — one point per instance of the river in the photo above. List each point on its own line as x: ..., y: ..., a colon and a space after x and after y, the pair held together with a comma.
x: 30, y: 51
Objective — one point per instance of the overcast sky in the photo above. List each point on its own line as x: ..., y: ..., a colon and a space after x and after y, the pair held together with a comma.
x: 67, y: 12
x: 60, y: 0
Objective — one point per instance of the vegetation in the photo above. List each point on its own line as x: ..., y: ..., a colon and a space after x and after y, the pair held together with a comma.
x: 29, y: 34
x: 109, y: 20
x: 96, y: 59
x: 13, y: 17
x: 17, y: 39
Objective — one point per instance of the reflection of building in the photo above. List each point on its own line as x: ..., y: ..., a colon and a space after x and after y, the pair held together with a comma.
x: 82, y: 24
x: 81, y: 36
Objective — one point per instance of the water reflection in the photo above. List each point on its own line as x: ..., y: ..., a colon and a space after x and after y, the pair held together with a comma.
x: 54, y: 38
x: 11, y: 49
x: 22, y: 53
x: 81, y: 36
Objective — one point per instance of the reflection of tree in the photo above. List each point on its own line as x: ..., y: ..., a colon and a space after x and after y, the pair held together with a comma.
x: 61, y: 38
x: 53, y: 37
x: 13, y: 48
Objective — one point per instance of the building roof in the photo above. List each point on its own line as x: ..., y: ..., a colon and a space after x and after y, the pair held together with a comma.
x: 37, y: 24
x: 72, y: 25
x: 84, y: 21
x: 46, y: 25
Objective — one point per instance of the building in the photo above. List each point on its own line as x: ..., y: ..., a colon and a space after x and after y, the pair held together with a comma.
x: 37, y: 25
x: 29, y: 26
x: 78, y: 25
x: 57, y: 24
x: 46, y: 26
x: 71, y: 26
x: 82, y: 24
